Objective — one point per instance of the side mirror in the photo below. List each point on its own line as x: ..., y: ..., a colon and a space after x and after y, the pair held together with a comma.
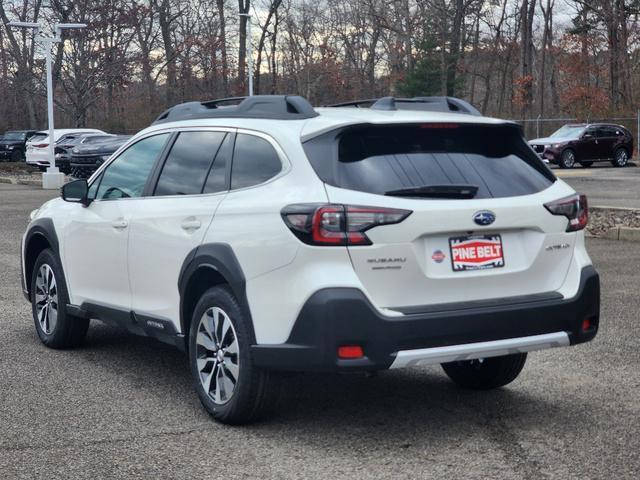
x: 587, y: 136
x: 76, y: 192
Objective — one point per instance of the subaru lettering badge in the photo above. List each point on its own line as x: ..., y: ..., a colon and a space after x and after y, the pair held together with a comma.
x: 484, y: 218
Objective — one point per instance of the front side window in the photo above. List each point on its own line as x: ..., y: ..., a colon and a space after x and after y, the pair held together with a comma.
x: 254, y: 161
x: 188, y: 163
x: 127, y: 175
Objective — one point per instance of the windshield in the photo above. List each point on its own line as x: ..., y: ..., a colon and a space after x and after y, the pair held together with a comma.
x: 568, y: 131
x: 14, y: 136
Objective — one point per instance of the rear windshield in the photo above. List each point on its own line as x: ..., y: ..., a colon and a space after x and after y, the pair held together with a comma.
x: 38, y: 137
x: 383, y: 158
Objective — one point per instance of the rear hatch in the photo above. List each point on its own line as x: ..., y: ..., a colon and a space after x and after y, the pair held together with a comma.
x: 478, y: 228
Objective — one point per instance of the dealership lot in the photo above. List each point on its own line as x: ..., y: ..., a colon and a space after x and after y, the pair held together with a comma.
x: 605, y: 186
x: 123, y: 405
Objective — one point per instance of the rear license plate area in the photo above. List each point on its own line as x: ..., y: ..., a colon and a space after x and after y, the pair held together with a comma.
x: 476, y: 252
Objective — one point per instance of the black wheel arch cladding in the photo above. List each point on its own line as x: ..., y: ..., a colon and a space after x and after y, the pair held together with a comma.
x: 219, y: 258
x: 40, y: 230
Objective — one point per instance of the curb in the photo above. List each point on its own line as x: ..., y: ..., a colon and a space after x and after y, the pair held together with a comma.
x: 625, y: 234
x: 17, y: 181
x: 33, y: 183
x: 619, y: 232
x: 620, y: 209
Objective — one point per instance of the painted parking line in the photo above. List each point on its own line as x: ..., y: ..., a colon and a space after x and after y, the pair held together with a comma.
x: 569, y: 173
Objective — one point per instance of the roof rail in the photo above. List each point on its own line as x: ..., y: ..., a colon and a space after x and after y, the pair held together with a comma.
x: 433, y: 104
x: 277, y: 107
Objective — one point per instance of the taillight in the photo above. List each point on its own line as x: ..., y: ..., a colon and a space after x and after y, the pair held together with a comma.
x: 41, y: 145
x: 574, y: 208
x: 338, y: 225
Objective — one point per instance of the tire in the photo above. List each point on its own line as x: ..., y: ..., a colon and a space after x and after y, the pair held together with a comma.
x: 620, y: 158
x: 49, y: 297
x: 219, y: 351
x: 487, y: 373
x: 567, y: 159
x: 17, y: 156
x: 586, y: 164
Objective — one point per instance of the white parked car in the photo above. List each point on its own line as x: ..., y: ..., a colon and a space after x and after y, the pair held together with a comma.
x: 273, y: 236
x: 37, y: 152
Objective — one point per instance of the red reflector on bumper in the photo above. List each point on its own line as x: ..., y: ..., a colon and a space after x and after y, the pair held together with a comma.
x: 586, y: 324
x: 350, y: 352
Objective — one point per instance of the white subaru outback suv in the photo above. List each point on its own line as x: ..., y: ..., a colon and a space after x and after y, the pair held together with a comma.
x: 273, y: 236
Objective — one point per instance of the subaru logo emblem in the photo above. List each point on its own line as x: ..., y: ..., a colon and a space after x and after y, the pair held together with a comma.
x: 484, y: 218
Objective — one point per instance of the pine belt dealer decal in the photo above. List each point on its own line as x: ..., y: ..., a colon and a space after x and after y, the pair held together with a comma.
x: 438, y: 256
x: 476, y: 252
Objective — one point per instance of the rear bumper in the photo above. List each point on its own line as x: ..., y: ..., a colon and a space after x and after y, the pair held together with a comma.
x: 344, y: 316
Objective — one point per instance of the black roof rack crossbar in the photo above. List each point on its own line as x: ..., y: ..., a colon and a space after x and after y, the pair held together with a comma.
x: 434, y: 104
x: 276, y: 107
x: 356, y: 103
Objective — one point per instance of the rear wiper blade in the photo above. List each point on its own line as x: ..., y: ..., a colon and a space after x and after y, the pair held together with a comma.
x: 436, y: 191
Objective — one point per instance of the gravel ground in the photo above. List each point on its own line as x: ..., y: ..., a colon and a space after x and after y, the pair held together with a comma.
x: 603, y: 219
x: 19, y: 171
x: 123, y: 406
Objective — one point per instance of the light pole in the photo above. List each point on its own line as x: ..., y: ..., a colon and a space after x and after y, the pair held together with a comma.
x: 249, y: 52
x: 52, y: 178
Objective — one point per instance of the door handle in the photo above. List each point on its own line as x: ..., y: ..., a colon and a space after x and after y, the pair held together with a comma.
x: 190, y: 224
x: 119, y: 224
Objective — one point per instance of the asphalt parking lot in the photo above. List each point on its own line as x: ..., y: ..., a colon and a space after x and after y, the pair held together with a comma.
x: 123, y: 407
x: 605, y: 186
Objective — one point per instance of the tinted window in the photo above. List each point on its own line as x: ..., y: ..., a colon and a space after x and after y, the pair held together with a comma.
x: 254, y: 161
x: 605, y: 132
x: 14, y: 136
x: 97, y: 138
x: 217, y: 179
x: 127, y: 175
x: 188, y: 163
x: 379, y: 159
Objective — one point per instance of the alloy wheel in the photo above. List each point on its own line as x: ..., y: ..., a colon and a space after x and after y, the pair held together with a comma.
x: 621, y: 158
x: 46, y: 299
x: 217, y: 355
x: 569, y: 159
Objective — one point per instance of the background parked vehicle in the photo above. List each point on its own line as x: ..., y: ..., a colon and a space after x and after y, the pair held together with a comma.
x: 87, y: 157
x: 37, y: 151
x: 13, y: 144
x: 67, y: 142
x: 586, y: 144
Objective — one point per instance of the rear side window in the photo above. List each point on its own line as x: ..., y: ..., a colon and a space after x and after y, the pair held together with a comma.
x: 254, y: 161
x: 384, y: 158
x: 188, y: 163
